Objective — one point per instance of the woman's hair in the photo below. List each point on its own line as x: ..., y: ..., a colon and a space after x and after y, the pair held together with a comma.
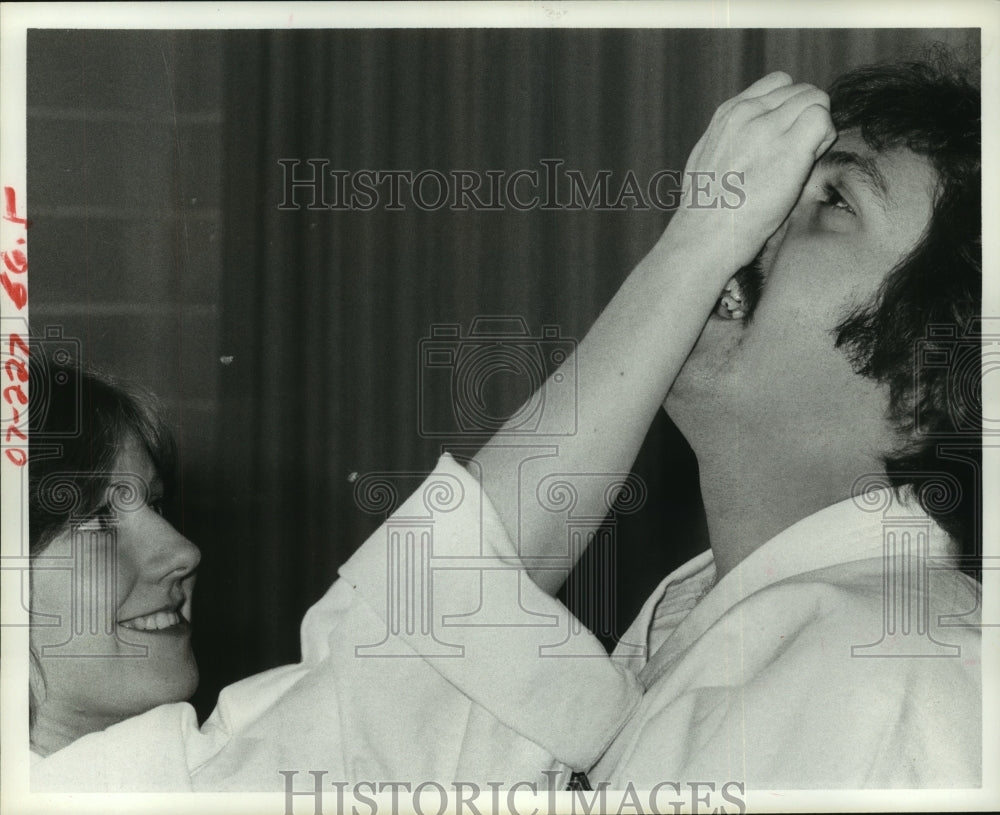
x: 78, y: 423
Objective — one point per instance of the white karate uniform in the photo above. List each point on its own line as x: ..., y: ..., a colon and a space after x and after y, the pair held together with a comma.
x: 843, y: 653
x: 434, y: 657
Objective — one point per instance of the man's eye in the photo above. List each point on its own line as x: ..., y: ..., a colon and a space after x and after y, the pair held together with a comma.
x: 832, y: 198
x: 156, y: 504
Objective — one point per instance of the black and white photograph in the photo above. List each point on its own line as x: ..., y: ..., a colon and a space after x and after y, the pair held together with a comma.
x: 499, y: 407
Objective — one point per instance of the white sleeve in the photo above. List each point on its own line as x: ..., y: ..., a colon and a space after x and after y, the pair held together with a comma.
x: 433, y: 657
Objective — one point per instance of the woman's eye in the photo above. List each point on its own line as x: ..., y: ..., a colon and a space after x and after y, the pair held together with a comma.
x: 156, y: 504
x: 99, y: 521
x: 832, y: 198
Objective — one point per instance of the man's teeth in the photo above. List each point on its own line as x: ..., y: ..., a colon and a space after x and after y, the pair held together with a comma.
x: 731, y: 305
x: 153, y: 622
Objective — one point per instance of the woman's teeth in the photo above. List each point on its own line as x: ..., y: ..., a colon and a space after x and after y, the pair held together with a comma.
x: 731, y: 304
x: 153, y: 622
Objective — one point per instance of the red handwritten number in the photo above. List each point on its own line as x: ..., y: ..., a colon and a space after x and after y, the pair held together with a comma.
x: 16, y: 263
x: 16, y: 341
x: 17, y: 456
x: 13, y: 430
x: 20, y: 368
x: 18, y: 291
x: 21, y: 398
x: 10, y: 208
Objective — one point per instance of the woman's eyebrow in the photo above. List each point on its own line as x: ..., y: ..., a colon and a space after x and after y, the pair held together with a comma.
x: 865, y: 169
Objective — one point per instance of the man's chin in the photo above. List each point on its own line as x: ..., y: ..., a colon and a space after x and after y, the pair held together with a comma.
x: 711, y: 356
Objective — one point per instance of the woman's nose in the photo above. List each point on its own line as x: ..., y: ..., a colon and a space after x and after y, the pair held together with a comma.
x: 177, y: 556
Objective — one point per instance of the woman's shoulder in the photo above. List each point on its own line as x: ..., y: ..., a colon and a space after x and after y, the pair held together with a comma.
x: 108, y: 760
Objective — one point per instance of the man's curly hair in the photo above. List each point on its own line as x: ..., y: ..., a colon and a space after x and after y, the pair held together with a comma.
x: 921, y: 334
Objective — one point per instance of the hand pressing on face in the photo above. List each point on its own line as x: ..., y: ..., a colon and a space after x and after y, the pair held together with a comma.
x: 770, y: 136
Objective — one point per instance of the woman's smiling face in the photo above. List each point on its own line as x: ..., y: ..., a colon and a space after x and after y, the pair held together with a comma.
x: 111, y: 599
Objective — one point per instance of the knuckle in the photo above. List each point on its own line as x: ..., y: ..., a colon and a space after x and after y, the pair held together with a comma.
x: 822, y: 97
x: 750, y: 107
x: 821, y: 112
x: 813, y: 117
x: 722, y: 110
x: 814, y: 120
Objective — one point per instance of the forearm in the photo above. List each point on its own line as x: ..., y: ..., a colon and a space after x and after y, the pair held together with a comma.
x: 771, y: 133
x: 624, y: 367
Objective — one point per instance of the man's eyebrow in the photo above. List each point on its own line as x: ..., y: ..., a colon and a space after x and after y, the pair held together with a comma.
x: 866, y: 169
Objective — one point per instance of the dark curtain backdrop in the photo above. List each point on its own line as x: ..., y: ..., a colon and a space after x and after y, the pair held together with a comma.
x: 322, y: 312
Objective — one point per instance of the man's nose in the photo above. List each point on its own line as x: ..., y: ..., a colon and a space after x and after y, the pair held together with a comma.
x: 796, y: 219
x: 778, y: 236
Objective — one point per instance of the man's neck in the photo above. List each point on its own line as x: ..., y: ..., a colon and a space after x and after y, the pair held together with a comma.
x: 752, y: 495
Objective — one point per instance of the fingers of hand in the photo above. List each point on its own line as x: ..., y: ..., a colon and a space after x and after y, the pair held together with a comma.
x: 785, y: 122
x: 813, y: 127
x: 776, y: 110
x: 783, y: 117
x: 774, y: 115
x: 765, y: 85
x: 792, y: 95
x: 762, y: 87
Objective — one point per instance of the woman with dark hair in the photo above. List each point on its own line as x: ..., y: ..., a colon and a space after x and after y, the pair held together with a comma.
x: 111, y: 659
x: 111, y: 577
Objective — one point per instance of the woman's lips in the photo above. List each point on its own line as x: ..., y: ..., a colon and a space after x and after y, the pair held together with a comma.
x: 165, y: 620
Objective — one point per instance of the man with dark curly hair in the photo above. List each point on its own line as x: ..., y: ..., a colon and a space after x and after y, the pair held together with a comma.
x: 830, y: 636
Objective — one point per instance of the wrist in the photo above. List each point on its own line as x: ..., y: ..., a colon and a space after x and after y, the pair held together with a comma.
x: 707, y: 250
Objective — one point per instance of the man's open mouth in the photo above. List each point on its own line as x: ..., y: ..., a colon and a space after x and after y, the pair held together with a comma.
x: 741, y: 293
